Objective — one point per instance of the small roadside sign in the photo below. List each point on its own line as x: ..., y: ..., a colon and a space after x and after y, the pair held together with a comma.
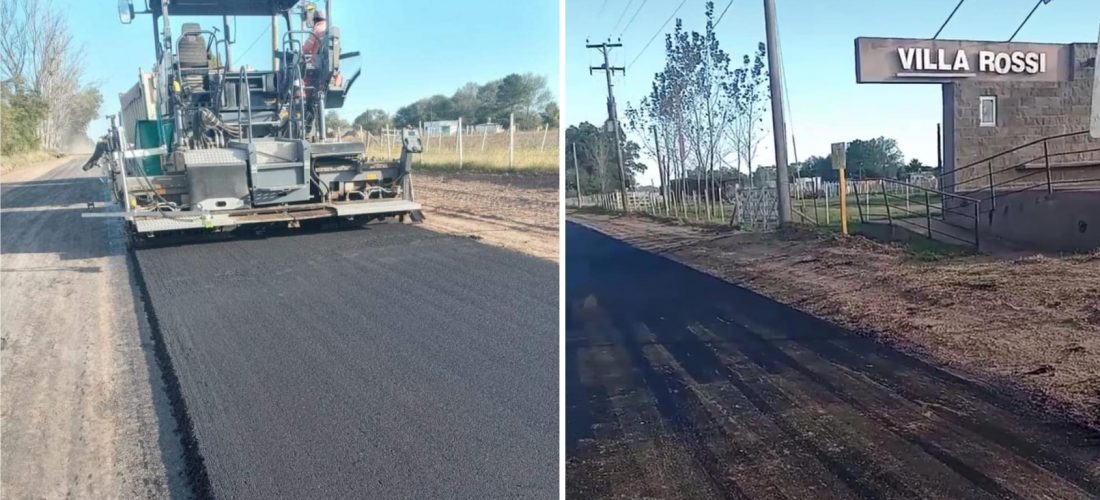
x: 840, y: 155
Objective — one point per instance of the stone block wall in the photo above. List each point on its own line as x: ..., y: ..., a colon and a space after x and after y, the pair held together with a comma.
x: 1026, y: 112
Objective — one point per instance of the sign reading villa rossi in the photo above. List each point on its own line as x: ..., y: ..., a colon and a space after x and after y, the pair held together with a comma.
x: 899, y: 60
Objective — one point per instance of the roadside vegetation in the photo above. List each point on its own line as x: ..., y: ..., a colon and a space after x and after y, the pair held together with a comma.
x: 486, y: 112
x: 46, y: 103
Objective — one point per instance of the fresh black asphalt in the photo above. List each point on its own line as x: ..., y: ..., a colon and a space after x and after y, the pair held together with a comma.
x: 385, y: 362
x: 682, y: 385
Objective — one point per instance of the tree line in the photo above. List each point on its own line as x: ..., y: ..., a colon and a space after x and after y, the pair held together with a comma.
x: 591, y: 149
x: 703, y: 121
x: 527, y: 95
x: 45, y: 101
x: 875, y: 158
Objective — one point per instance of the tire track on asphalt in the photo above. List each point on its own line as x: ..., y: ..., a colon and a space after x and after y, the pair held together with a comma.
x: 772, y: 403
x: 877, y: 373
x: 625, y: 414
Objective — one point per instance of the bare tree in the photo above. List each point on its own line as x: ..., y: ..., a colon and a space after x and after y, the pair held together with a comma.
x: 37, y: 48
x: 693, y: 107
x: 751, y: 104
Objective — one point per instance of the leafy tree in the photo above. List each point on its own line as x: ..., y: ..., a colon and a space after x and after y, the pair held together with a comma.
x: 599, y: 167
x: 551, y: 115
x: 878, y: 157
x: 373, y: 120
x: 21, y: 112
x: 526, y: 95
x: 335, y: 125
x: 819, y: 166
x: 751, y: 98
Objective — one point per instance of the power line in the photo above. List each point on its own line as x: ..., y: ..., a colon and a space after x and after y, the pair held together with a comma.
x: 655, y: 35
x: 723, y: 14
x: 945, y: 21
x: 786, y: 92
x: 612, y: 111
x: 621, y: 16
x: 635, y: 16
x: 264, y: 32
x: 602, y: 6
x: 1033, y: 9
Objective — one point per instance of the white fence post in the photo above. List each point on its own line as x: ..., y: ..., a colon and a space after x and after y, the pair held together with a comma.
x: 458, y: 143
x: 511, y: 140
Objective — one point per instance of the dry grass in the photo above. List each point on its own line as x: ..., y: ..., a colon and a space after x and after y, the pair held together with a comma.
x: 488, y: 153
x: 12, y: 162
x: 1032, y: 323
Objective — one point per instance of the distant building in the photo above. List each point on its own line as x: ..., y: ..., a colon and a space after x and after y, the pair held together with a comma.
x: 489, y: 128
x: 441, y: 127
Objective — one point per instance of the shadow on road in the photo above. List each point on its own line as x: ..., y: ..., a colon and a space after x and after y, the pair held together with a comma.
x: 744, y: 394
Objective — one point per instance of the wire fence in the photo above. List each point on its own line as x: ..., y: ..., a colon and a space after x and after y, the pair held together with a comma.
x: 470, y: 148
x: 814, y: 202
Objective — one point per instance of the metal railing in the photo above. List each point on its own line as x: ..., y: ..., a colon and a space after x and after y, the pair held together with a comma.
x: 985, y: 186
x: 928, y: 204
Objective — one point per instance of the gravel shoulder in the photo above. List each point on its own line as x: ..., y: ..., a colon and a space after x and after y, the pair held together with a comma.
x: 1029, y: 323
x: 83, y: 412
x: 519, y: 212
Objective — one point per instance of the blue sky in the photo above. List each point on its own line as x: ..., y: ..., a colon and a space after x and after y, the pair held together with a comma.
x: 817, y: 47
x: 410, y: 49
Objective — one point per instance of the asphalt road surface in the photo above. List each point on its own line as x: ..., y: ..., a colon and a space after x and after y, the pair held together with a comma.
x: 386, y: 362
x: 680, y: 385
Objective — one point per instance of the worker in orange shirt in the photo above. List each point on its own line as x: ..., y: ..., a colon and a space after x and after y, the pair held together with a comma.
x: 312, y: 46
x: 320, y: 27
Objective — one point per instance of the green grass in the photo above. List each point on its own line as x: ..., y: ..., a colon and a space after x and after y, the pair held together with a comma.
x: 873, y: 207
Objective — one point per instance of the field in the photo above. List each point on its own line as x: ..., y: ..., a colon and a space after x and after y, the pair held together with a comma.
x: 535, y: 151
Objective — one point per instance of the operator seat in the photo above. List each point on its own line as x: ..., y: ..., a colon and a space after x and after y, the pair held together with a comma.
x: 193, y: 55
x: 192, y: 47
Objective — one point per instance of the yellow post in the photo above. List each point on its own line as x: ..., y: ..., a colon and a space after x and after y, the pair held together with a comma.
x: 840, y: 162
x: 843, y: 203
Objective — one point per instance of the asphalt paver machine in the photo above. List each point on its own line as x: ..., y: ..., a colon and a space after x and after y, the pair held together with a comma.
x: 202, y: 144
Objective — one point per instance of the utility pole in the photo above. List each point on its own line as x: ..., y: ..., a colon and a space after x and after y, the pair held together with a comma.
x: 577, y: 172
x: 612, y: 111
x: 779, y: 124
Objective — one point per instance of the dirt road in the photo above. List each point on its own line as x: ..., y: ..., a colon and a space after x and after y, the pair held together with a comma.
x: 514, y: 211
x: 681, y: 385
x: 83, y: 413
